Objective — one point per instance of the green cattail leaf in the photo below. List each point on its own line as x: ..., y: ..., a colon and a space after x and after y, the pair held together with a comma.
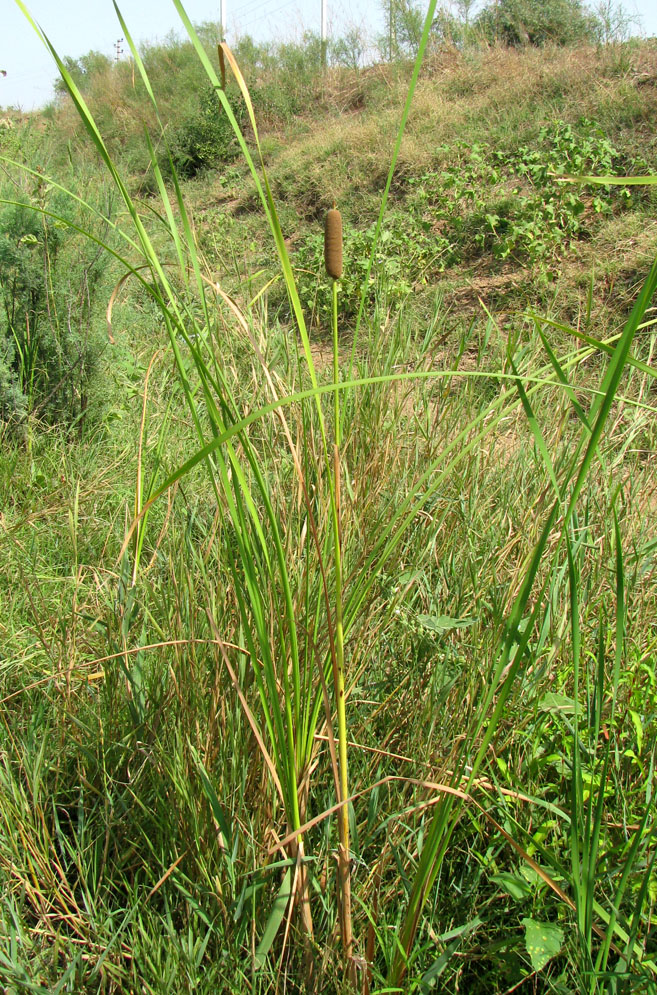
x: 276, y: 916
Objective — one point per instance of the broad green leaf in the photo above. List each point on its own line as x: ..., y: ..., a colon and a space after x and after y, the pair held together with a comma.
x: 543, y: 941
x: 513, y: 885
x: 553, y: 702
x: 443, y: 623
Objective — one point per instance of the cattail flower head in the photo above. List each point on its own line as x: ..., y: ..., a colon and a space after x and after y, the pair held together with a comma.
x: 333, y: 244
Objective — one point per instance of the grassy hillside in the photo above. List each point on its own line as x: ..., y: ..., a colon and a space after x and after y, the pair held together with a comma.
x: 235, y: 595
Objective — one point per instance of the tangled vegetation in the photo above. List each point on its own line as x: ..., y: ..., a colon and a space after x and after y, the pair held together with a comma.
x: 327, y: 659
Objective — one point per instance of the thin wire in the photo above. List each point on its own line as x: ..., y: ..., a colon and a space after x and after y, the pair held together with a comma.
x: 250, y: 8
x: 271, y: 13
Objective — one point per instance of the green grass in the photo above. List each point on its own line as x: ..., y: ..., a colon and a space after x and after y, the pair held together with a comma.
x: 472, y: 509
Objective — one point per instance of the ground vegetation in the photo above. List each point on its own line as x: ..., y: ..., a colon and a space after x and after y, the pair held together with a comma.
x: 327, y: 653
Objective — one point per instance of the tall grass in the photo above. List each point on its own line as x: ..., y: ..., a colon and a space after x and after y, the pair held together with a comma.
x: 285, y: 590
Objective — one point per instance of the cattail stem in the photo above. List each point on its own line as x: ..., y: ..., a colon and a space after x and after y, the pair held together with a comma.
x: 336, y: 366
x: 344, y: 862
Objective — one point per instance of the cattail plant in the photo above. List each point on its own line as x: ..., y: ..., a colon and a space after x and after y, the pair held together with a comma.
x: 333, y: 264
x: 285, y: 651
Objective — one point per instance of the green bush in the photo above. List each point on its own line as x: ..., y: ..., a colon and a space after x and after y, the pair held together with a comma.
x: 282, y: 77
x: 403, y: 28
x: 83, y: 71
x: 204, y: 141
x: 50, y: 336
x: 537, y: 22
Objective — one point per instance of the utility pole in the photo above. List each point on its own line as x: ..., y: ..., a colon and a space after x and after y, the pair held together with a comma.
x: 222, y: 18
x: 323, y: 32
x: 390, y: 29
x: 118, y: 51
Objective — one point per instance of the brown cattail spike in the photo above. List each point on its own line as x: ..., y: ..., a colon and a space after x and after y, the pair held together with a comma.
x: 333, y: 244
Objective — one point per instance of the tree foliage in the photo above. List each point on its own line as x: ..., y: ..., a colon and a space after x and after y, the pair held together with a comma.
x: 537, y: 22
x: 83, y: 70
x: 403, y: 28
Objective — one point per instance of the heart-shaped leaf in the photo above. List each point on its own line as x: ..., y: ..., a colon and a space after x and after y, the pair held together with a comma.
x: 543, y: 941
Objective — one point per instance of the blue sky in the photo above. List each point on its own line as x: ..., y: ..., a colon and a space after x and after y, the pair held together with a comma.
x: 75, y: 28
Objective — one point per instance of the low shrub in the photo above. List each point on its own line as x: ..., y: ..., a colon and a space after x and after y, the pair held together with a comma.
x: 50, y: 333
x: 207, y: 139
x: 538, y: 22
